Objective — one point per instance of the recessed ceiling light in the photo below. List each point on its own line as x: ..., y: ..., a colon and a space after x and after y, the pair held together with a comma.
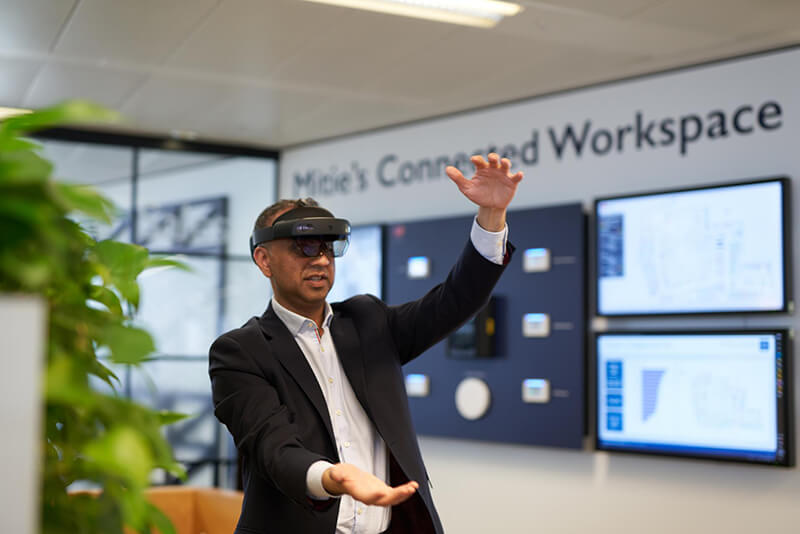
x: 481, y: 13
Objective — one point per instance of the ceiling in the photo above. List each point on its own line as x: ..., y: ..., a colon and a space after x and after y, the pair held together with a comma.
x: 276, y: 73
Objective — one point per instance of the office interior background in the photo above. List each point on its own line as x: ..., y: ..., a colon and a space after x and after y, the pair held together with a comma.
x: 232, y: 104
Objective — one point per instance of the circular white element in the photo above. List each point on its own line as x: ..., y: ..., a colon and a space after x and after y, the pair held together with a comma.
x: 473, y: 398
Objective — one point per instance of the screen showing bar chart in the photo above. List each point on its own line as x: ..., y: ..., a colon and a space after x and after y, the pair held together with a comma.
x: 720, y: 395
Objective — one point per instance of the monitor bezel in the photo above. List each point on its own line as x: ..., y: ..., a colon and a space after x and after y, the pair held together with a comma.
x: 788, y: 305
x: 785, y: 405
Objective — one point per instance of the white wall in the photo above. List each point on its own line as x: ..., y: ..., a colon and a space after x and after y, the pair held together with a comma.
x: 483, y: 487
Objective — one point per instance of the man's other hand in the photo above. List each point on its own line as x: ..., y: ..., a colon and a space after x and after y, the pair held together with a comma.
x: 365, y: 487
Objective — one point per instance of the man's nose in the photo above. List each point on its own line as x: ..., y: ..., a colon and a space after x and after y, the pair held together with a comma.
x: 321, y: 259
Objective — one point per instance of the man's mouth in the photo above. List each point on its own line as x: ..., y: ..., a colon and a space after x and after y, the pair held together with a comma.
x: 317, y: 277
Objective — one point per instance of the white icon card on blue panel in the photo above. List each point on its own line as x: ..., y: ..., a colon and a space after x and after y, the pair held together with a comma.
x: 536, y: 325
x: 418, y: 385
x: 536, y: 260
x: 536, y: 390
x: 418, y: 267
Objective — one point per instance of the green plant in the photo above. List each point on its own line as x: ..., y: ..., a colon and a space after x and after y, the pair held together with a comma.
x: 101, y: 439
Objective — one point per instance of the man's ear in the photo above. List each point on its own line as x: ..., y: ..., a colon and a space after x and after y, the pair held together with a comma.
x: 261, y: 256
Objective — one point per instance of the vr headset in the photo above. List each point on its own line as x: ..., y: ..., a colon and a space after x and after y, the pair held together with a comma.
x: 311, y: 227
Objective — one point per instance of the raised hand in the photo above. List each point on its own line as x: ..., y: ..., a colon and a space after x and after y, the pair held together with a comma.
x: 492, y: 186
x: 365, y: 487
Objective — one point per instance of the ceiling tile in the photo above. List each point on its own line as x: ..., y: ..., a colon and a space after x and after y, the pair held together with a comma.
x: 339, y: 116
x: 361, y: 47
x: 258, y: 112
x: 611, y: 8
x: 152, y: 162
x: 165, y: 104
x: 143, y: 31
x: 603, y: 33
x: 725, y: 17
x: 251, y: 37
x: 286, y: 71
x: 58, y: 82
x: 32, y: 25
x: 17, y: 77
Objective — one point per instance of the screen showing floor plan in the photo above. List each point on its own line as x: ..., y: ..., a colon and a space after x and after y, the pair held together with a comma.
x: 720, y: 395
x: 711, y: 250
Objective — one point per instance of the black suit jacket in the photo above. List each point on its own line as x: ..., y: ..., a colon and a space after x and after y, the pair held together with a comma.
x: 266, y: 394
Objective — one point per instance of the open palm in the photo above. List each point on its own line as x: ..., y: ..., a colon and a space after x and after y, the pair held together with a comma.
x: 492, y: 185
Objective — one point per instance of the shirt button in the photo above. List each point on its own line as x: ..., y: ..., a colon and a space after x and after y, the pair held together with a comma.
x: 360, y: 511
x: 346, y: 444
x: 338, y: 412
x: 330, y: 380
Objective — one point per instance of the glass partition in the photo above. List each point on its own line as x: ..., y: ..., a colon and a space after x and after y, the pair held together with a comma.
x: 198, y: 207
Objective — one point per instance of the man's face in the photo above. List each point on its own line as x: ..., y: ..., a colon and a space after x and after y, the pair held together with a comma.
x: 300, y: 283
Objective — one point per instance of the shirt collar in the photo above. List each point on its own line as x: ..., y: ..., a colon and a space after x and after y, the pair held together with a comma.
x: 296, y: 322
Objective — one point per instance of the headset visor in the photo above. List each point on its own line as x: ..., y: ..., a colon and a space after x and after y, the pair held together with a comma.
x: 307, y: 222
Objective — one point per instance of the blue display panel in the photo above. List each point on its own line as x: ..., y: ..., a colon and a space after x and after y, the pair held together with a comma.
x: 722, y: 395
x: 360, y: 269
x: 719, y: 249
x: 549, y: 281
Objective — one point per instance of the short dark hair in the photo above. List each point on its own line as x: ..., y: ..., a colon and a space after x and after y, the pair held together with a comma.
x: 268, y: 216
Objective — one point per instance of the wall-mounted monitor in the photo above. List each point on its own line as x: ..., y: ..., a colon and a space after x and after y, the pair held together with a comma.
x: 721, y: 395
x: 716, y: 249
x: 360, y: 270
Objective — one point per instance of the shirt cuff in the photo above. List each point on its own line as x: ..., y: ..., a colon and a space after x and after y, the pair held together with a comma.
x: 314, y: 486
x: 490, y: 245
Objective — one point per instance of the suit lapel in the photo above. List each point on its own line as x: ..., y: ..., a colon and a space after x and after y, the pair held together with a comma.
x: 292, y: 359
x: 348, y: 348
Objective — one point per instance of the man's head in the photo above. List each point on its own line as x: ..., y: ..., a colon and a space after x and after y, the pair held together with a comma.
x: 294, y: 243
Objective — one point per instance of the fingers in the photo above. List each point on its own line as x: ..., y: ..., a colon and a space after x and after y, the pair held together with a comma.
x: 495, y: 162
x: 479, y: 162
x: 455, y: 175
x: 398, y: 495
x: 517, y: 178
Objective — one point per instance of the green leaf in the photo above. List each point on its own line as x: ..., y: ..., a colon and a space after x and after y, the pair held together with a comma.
x: 105, y: 374
x: 23, y: 167
x: 161, y: 261
x: 122, y: 452
x: 69, y: 112
x: 10, y: 143
x: 167, y: 418
x: 61, y: 384
x: 159, y: 519
x: 175, y: 469
x: 86, y: 200
x: 107, y: 298
x: 128, y: 344
x: 23, y: 208
x: 123, y: 262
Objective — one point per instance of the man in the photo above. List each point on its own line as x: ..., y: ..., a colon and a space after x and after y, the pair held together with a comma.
x: 313, y: 393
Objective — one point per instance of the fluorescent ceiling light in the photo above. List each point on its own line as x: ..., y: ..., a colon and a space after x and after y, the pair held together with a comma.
x: 481, y: 13
x: 11, y: 112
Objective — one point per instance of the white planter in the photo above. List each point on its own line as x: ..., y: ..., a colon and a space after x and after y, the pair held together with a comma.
x: 23, y: 321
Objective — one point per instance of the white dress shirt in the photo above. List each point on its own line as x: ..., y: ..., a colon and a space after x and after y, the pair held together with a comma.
x: 357, y: 441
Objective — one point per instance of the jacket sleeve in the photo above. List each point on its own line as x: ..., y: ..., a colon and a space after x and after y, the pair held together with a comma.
x: 419, y: 324
x: 262, y: 426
